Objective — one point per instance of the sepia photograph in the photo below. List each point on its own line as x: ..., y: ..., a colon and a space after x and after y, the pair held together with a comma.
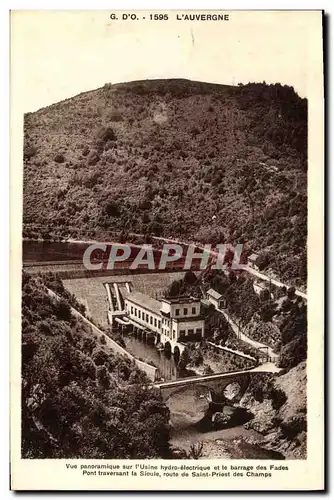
x: 165, y: 237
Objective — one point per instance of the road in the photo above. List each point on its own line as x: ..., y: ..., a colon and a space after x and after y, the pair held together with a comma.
x: 244, y: 338
x: 244, y: 267
x: 273, y: 281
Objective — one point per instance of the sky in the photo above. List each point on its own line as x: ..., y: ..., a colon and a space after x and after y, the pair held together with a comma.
x: 58, y: 54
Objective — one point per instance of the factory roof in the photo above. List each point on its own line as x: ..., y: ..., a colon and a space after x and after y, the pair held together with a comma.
x: 145, y: 301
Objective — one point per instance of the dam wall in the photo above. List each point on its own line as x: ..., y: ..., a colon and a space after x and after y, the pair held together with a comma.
x: 93, y: 294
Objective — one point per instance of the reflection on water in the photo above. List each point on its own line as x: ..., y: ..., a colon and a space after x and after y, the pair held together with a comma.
x: 150, y: 354
x: 43, y: 251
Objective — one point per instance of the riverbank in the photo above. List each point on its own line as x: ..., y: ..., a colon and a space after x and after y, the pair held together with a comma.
x: 187, y: 410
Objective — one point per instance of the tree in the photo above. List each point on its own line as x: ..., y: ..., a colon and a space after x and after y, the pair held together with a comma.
x: 111, y: 208
x: 74, y: 408
x: 102, y: 377
x: 63, y: 310
x: 263, y: 260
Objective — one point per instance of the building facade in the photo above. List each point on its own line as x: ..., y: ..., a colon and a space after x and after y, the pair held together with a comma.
x: 216, y: 299
x: 176, y: 319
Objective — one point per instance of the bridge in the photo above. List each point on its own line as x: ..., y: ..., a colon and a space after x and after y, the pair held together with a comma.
x: 216, y: 382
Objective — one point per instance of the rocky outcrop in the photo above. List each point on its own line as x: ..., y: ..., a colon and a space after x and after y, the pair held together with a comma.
x: 279, y: 409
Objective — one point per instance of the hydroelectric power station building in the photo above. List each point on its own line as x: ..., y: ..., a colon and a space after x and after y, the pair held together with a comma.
x: 172, y: 320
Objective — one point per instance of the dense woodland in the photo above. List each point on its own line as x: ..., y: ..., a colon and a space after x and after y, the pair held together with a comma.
x: 79, y: 398
x: 176, y: 158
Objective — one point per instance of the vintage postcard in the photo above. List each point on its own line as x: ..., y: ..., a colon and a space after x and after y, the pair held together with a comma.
x: 167, y: 290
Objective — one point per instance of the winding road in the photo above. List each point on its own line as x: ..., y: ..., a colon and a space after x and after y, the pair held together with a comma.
x: 257, y: 345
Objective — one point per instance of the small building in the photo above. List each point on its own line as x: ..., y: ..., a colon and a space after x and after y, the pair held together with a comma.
x: 216, y: 299
x: 251, y: 261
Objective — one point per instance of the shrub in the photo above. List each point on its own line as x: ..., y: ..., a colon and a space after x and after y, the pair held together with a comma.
x: 105, y: 134
x: 111, y: 209
x: 85, y: 150
x: 115, y: 116
x: 263, y: 260
x: 294, y: 426
x: 93, y: 158
x: 59, y: 158
x: 278, y: 397
x: 196, y: 451
x: 29, y: 151
x: 109, y: 145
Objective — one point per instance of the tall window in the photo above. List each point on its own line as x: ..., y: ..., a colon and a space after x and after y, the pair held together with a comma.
x: 146, y: 318
x: 193, y: 310
x: 159, y: 324
x: 185, y: 311
x: 177, y: 312
x: 139, y: 314
x: 135, y: 311
x: 155, y: 322
x: 131, y: 309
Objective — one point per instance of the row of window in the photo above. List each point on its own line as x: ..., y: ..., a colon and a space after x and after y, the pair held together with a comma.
x: 166, y: 332
x: 165, y: 321
x: 191, y: 331
x: 185, y: 311
x: 145, y: 317
x: 183, y: 333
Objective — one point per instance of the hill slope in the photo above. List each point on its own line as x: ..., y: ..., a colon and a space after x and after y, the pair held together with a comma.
x: 79, y: 398
x: 164, y: 157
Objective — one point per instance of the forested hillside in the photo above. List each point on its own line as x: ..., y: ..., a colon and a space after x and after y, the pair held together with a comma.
x: 80, y: 399
x: 175, y: 158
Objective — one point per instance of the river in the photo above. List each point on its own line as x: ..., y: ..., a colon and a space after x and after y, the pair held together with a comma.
x: 149, y: 353
x: 188, y: 414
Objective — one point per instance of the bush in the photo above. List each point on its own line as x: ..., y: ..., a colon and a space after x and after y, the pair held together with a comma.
x: 29, y: 151
x: 115, y: 116
x: 111, y: 209
x: 196, y: 451
x: 93, y: 158
x: 85, y: 150
x: 59, y: 158
x: 278, y: 397
x: 293, y: 427
x: 105, y: 134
